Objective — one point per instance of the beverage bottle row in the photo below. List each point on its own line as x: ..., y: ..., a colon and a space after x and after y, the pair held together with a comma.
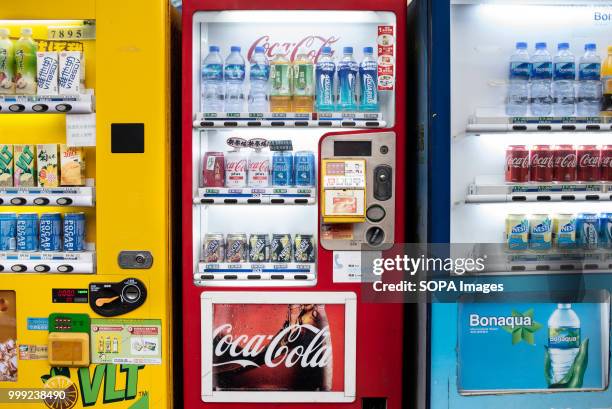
x: 559, y: 163
x: 258, y: 248
x: 281, y: 85
x: 546, y: 85
x: 565, y: 231
x: 258, y: 169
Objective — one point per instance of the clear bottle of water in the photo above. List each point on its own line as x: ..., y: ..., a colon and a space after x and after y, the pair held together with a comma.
x: 234, y: 72
x: 563, y: 340
x: 212, y: 81
x: 368, y: 80
x: 325, y: 81
x: 518, y: 86
x: 347, y: 81
x: 259, y: 75
x: 541, y: 78
x: 589, y: 84
x: 564, y: 77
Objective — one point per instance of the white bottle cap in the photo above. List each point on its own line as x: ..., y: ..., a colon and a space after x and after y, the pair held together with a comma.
x: 4, y: 32
x: 26, y: 31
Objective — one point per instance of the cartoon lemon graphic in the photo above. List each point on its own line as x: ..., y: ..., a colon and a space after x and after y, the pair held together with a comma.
x: 65, y: 384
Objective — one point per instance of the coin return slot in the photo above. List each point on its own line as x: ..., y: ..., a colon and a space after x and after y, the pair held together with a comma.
x: 544, y: 128
x: 543, y: 198
x: 568, y: 127
x: 230, y: 123
x: 254, y: 201
x: 349, y: 123
x: 592, y: 197
x: 568, y: 197
x: 519, y: 198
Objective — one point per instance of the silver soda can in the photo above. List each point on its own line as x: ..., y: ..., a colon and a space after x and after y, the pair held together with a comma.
x: 214, y: 248
x: 259, y: 248
x: 281, y: 248
x: 236, y: 246
x: 303, y: 248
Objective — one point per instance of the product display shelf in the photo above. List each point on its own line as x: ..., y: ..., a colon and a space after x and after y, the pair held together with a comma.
x: 290, y: 119
x: 48, y: 262
x: 40, y: 104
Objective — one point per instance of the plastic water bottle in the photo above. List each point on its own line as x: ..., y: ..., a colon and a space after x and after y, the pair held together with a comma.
x: 347, y: 80
x: 368, y: 80
x: 563, y: 340
x: 518, y: 87
x: 589, y: 84
x: 564, y: 75
x: 541, y: 77
x: 234, y: 72
x: 212, y: 81
x: 259, y: 75
x: 325, y: 80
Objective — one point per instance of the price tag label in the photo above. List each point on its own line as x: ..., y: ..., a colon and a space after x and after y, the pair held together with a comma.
x: 81, y: 130
x: 77, y: 32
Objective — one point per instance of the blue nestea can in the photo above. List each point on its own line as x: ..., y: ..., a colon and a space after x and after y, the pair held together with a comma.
x: 304, y: 165
x: 605, y: 230
x: 50, y: 228
x: 8, y: 231
x: 588, y: 230
x: 74, y: 232
x: 282, y: 168
x: 27, y: 232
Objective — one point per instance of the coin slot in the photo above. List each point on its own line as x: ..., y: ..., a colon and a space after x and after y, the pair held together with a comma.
x: 375, y: 236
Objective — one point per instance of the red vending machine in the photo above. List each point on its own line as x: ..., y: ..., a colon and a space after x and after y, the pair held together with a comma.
x: 294, y: 169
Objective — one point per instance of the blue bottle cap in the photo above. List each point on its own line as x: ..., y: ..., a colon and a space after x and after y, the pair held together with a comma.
x: 540, y: 46
x: 259, y: 49
x: 347, y: 50
x: 590, y: 47
x: 563, y: 46
x: 521, y: 45
x: 368, y: 50
x: 326, y: 50
x: 213, y: 48
x: 235, y: 49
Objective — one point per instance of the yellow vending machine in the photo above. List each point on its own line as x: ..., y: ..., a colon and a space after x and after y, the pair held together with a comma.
x: 85, y: 284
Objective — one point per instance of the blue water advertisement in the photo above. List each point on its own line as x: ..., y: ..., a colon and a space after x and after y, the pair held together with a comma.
x: 532, y: 347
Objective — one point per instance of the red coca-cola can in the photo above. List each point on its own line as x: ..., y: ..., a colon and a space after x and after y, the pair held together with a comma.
x: 606, y: 163
x: 541, y: 163
x: 213, y: 172
x: 589, y: 158
x: 517, y: 164
x: 564, y: 163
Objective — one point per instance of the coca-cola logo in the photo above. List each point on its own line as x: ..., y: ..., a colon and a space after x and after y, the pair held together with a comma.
x: 606, y: 162
x: 589, y: 161
x: 259, y: 166
x: 542, y: 161
x: 236, y: 166
x: 312, y: 44
x: 566, y: 161
x: 317, y: 353
x: 517, y: 162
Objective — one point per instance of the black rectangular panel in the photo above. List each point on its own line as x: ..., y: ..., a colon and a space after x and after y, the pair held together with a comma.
x: 127, y: 138
x: 352, y: 148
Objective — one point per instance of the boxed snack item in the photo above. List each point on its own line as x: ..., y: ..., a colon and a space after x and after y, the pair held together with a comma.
x: 6, y: 165
x: 47, y: 73
x: 72, y: 164
x: 70, y: 63
x: 25, y: 165
x: 47, y: 165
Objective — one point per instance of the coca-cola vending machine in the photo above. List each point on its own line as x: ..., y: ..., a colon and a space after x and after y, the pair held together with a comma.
x: 293, y: 169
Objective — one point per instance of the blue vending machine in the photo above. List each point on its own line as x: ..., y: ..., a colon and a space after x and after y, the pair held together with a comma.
x: 513, y: 162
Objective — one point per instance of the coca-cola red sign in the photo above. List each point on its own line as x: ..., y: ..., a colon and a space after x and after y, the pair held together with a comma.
x: 312, y: 44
